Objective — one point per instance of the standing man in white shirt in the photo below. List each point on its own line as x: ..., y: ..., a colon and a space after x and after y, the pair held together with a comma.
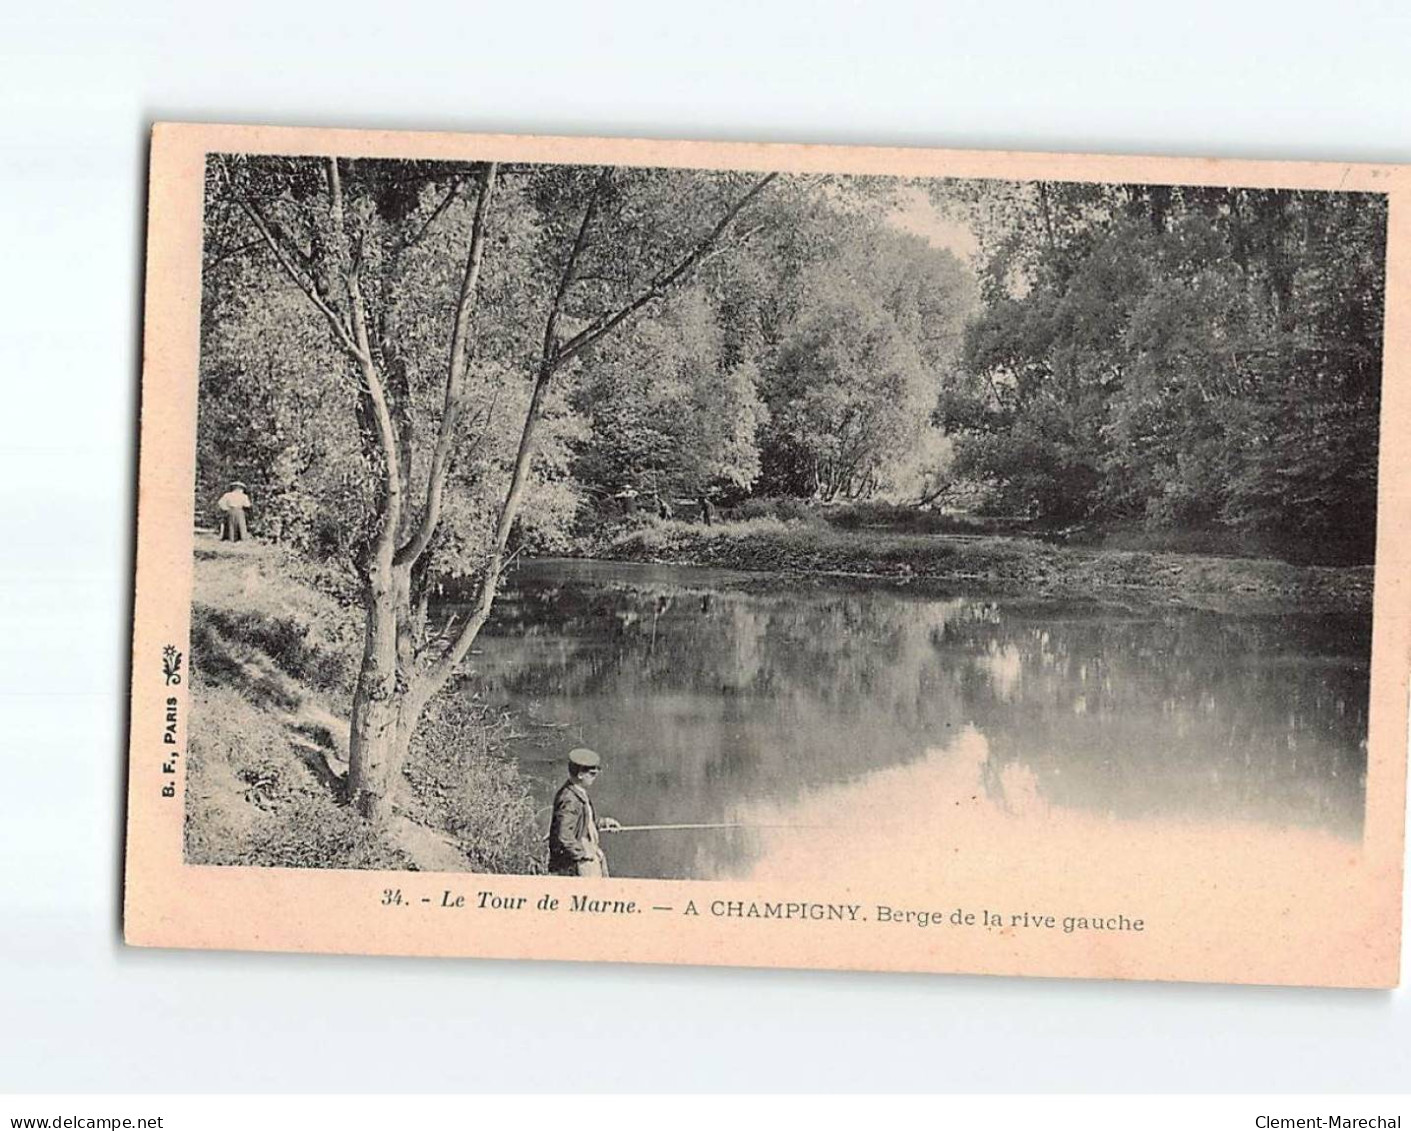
x: 233, y: 505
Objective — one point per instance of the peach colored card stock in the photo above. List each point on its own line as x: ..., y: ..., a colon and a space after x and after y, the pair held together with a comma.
x: 950, y: 859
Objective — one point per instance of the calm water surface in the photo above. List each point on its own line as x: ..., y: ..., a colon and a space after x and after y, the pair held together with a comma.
x: 710, y: 702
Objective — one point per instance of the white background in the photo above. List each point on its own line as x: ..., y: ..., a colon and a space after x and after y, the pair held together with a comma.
x: 79, y: 86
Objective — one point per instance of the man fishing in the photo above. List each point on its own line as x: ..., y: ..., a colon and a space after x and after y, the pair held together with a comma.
x: 573, y: 833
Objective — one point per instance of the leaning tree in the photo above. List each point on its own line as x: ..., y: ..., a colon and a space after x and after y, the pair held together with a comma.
x: 451, y: 297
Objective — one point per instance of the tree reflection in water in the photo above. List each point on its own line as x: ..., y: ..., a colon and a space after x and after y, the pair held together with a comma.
x: 709, y: 700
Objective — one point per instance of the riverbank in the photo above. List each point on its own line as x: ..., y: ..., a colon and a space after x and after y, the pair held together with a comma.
x: 998, y: 564
x: 274, y: 650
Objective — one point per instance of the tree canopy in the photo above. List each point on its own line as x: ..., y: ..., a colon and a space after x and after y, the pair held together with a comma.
x: 749, y: 376
x: 1173, y: 355
x: 1183, y: 356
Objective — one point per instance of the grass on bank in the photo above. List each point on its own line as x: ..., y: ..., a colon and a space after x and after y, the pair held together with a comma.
x: 274, y: 647
x: 1351, y: 548
x: 976, y: 561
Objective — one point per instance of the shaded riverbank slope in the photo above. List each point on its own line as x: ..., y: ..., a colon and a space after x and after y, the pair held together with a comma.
x: 986, y: 564
x: 274, y: 650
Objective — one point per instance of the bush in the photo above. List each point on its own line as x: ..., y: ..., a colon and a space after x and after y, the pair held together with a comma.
x: 901, y: 519
x: 251, y: 799
x: 466, y: 784
x: 291, y: 643
x: 786, y: 508
x: 313, y: 832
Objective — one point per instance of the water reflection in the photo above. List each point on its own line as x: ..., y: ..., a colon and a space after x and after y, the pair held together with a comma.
x: 710, y: 701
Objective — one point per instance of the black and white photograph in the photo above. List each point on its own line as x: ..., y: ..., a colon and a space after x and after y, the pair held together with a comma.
x: 676, y: 523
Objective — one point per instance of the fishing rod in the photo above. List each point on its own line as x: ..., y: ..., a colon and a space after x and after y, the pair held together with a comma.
x: 708, y: 825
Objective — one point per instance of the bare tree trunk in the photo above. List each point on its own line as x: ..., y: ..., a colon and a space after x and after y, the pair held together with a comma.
x: 371, y: 768
x: 404, y: 612
x: 374, y: 700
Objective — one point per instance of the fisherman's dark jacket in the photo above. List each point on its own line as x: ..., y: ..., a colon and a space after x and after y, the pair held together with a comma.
x: 572, y: 832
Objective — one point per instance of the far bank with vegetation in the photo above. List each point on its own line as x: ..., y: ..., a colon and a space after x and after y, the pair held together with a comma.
x: 960, y: 556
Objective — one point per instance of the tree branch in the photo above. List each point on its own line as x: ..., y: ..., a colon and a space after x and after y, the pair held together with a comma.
x: 552, y: 358
x: 444, y: 667
x: 385, y: 542
x: 436, y: 215
x: 549, y: 352
x: 455, y: 376
x: 340, y: 331
x: 662, y: 285
x: 230, y: 253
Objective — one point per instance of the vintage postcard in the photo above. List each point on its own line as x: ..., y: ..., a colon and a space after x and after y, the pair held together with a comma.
x: 772, y: 555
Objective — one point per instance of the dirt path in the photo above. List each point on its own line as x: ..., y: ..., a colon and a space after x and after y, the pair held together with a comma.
x: 235, y: 582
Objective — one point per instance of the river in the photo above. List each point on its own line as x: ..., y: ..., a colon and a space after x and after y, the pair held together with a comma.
x: 826, y: 717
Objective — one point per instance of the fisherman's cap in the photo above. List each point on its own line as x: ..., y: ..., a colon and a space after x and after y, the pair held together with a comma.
x: 584, y: 758
x: 237, y: 483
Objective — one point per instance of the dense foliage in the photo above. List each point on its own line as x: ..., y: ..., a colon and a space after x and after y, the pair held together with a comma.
x: 805, y: 358
x: 1184, y: 356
